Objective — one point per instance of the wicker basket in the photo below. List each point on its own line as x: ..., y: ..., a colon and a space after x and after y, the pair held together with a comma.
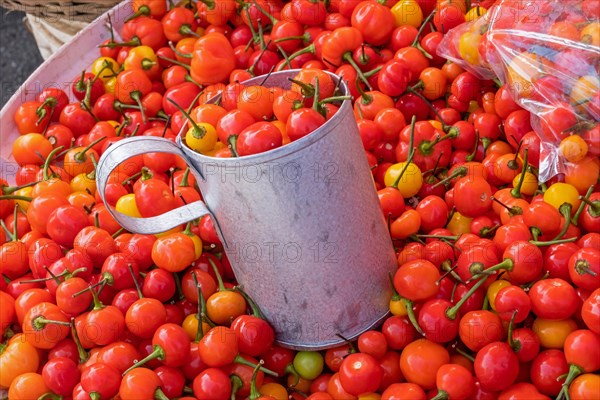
x: 54, y: 23
x: 83, y: 11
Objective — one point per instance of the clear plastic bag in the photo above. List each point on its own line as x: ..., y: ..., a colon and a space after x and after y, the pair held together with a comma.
x: 548, y: 54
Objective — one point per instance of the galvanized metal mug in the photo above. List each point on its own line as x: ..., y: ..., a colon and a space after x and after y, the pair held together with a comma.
x: 302, y: 228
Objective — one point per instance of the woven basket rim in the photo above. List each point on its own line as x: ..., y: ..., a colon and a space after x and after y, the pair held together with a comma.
x: 83, y: 10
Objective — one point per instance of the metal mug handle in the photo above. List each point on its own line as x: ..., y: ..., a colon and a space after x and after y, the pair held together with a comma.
x: 130, y: 147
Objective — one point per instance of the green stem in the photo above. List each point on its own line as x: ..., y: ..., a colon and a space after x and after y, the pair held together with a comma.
x: 197, y: 129
x: 348, y: 58
x: 445, y: 127
x: 441, y: 395
x: 408, y: 304
x: 575, y: 219
x: 254, y: 393
x: 241, y: 360
x: 134, y: 42
x: 48, y: 160
x: 465, y: 354
x: 217, y: 274
x: 232, y: 141
x: 308, y: 49
x: 175, y: 62
x: 514, y: 345
x: 516, y: 191
x: 507, y: 264
x: 411, y: 152
x: 471, y: 156
x: 135, y: 282
x: 40, y: 322
x: 160, y: 395
x: 423, y: 24
x: 157, y: 353
x: 83, y: 355
x: 236, y: 382
x: 574, y: 372
x: 201, y: 308
x: 452, y: 312
x: 565, y: 210
x: 251, y: 303
x: 265, y: 12
x: 551, y: 242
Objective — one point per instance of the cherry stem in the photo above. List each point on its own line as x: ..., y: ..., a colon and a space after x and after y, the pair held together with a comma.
x: 516, y: 191
x: 411, y: 153
x: 142, y: 10
x: 48, y: 160
x: 335, y: 99
x: 512, y: 164
x: 594, y: 205
x: 465, y: 354
x: 316, y: 101
x: 348, y: 58
x: 16, y: 197
x: 175, y: 62
x: 511, y: 210
x: 254, y: 393
x: 201, y: 309
x: 351, y: 347
x: 395, y: 295
x: 241, y: 360
x: 83, y: 355
x: 307, y: 89
x: 565, y: 210
x: 507, y: 264
x: 185, y: 179
x: 232, y: 141
x: 452, y: 312
x: 160, y: 395
x: 438, y: 237
x: 262, y: 53
x: 265, y: 12
x: 15, y: 232
x: 471, y: 156
x: 514, y: 345
x: 373, y: 71
x: 583, y: 199
x: 445, y: 127
x: 408, y: 304
x: 236, y: 382
x: 11, y: 235
x: 40, y: 322
x: 11, y: 189
x: 574, y: 372
x: 201, y: 132
x: 449, y: 270
x: 488, y: 230
x: 551, y: 242
x: 157, y: 353
x: 423, y: 24
x: 251, y: 303
x: 185, y: 29
x: 441, y: 395
x: 80, y: 156
x: 308, y: 49
x: 217, y: 274
x: 283, y: 39
x: 134, y: 42
x: 135, y: 282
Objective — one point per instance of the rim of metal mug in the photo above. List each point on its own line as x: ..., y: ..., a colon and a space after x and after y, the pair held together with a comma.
x: 281, y: 151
